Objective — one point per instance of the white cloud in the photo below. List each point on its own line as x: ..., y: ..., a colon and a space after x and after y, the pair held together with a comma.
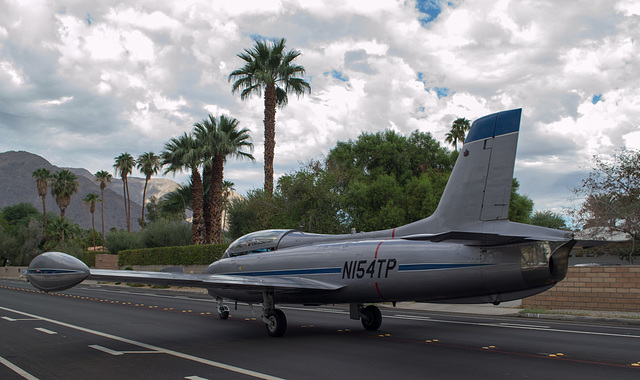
x: 133, y: 74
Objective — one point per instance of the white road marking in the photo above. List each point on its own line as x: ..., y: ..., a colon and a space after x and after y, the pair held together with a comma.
x: 15, y: 320
x: 17, y: 369
x: 107, y: 350
x: 195, y: 378
x: 117, y: 353
x: 150, y: 347
x: 42, y: 329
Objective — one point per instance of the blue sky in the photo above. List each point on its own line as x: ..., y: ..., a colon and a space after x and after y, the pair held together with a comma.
x: 84, y: 80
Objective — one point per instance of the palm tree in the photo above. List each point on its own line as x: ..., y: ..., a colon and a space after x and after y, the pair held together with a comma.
x: 457, y: 133
x: 42, y: 177
x: 148, y: 164
x: 218, y: 139
x: 270, y: 69
x: 179, y: 154
x: 91, y: 199
x: 104, y: 178
x: 63, y: 185
x: 124, y: 165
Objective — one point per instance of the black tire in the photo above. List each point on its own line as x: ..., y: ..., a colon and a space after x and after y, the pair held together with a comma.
x: 277, y: 323
x: 223, y: 312
x: 372, y: 318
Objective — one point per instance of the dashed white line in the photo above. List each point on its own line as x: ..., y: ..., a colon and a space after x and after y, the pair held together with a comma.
x: 42, y: 329
x: 17, y: 369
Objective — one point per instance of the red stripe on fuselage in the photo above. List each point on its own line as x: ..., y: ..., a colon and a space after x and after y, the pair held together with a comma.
x: 380, y: 294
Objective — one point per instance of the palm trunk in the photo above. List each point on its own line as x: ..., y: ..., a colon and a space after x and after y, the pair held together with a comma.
x: 215, y: 194
x: 207, y: 216
x: 93, y: 228
x: 197, y: 228
x: 144, y: 195
x: 128, y: 206
x: 124, y: 195
x: 102, y: 209
x: 269, y: 136
x: 44, y: 215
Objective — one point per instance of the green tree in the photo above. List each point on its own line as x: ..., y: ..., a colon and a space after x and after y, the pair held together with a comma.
x: 103, y: 177
x: 182, y: 153
x: 549, y: 219
x: 148, y: 164
x: 228, y: 188
x: 90, y: 200
x: 42, y: 177
x: 124, y: 164
x: 61, y: 229
x: 218, y: 139
x: 520, y: 206
x: 63, y: 185
x: 458, y: 131
x: 270, y: 69
x: 612, y: 197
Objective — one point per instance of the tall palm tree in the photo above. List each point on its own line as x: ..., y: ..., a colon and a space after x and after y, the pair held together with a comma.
x: 91, y: 199
x: 104, y: 178
x: 42, y: 177
x: 179, y: 154
x: 270, y: 69
x: 63, y: 185
x: 457, y: 133
x: 217, y: 140
x: 124, y: 165
x: 148, y: 164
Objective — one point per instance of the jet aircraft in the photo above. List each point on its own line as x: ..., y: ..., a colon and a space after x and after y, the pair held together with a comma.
x: 466, y: 252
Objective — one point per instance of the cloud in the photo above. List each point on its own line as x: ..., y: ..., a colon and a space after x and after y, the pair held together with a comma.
x: 89, y: 80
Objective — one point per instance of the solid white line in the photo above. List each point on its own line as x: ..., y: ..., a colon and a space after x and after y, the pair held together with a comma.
x: 195, y: 378
x: 42, y: 329
x: 17, y: 369
x: 150, y: 347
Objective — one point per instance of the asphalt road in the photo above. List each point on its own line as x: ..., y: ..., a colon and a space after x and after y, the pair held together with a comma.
x: 100, y: 332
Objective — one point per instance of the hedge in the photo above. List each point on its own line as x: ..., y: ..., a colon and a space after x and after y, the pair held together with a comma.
x: 182, y: 255
x: 89, y: 257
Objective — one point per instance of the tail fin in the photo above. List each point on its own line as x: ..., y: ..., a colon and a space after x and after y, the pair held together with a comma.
x: 479, y: 188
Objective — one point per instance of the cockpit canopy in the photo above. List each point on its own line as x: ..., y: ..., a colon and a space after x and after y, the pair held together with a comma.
x: 256, y: 242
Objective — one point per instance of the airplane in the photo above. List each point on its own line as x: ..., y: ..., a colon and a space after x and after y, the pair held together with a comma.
x: 467, y: 251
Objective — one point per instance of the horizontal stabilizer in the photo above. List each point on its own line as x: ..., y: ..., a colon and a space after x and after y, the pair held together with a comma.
x: 482, y: 239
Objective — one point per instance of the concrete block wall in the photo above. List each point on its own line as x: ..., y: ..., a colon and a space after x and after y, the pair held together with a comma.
x: 106, y: 261
x: 602, y: 288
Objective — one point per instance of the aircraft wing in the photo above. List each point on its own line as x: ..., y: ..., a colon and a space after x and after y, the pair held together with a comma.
x: 211, y: 280
x: 56, y: 271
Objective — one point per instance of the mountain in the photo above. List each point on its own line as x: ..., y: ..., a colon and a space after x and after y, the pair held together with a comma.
x: 17, y: 185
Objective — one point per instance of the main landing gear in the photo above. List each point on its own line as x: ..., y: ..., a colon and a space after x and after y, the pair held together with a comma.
x: 273, y: 318
x: 276, y: 322
x: 370, y: 315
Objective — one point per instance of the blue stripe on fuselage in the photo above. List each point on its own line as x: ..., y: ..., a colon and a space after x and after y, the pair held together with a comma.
x: 420, y: 267
x: 288, y: 272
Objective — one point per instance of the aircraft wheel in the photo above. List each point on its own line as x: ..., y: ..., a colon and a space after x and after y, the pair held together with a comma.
x: 276, y: 323
x: 223, y: 312
x: 371, y: 318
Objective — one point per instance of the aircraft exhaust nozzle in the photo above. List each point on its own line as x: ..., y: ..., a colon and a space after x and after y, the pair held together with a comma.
x: 559, y: 260
x: 56, y: 271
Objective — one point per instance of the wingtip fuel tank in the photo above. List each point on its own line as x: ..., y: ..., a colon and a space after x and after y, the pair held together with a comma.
x: 56, y: 271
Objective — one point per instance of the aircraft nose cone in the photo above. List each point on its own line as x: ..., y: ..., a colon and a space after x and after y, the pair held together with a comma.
x: 56, y: 271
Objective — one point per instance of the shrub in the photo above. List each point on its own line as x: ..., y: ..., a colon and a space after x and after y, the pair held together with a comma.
x: 185, y: 255
x: 166, y: 234
x: 119, y: 240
